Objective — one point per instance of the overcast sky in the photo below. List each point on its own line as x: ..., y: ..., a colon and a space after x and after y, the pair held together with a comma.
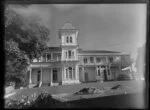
x: 116, y: 27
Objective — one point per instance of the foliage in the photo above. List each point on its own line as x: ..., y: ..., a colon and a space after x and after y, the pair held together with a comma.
x: 41, y: 101
x: 25, y: 38
x: 140, y: 60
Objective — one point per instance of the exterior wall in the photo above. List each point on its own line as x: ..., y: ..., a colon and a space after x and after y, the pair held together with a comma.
x: 91, y: 73
x: 90, y: 68
x: 34, y: 75
x: 46, y: 75
x: 115, y: 71
x: 64, y: 37
x: 81, y: 74
x: 75, y: 57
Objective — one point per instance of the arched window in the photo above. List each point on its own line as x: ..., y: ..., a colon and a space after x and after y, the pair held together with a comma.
x: 70, y: 73
x: 99, y: 72
x: 66, y: 73
x: 72, y: 54
x: 66, y: 54
x: 67, y: 39
x: 70, y: 39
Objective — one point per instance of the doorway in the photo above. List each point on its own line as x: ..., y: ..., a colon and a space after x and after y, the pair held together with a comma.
x: 38, y: 76
x: 55, y: 75
x: 86, y: 77
x: 105, y: 75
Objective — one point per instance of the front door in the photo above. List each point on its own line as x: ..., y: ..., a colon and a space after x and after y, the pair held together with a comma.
x: 54, y: 75
x: 105, y: 75
x: 86, y: 76
x: 38, y: 76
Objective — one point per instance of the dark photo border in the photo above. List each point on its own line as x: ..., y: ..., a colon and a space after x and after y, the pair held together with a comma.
x: 3, y: 3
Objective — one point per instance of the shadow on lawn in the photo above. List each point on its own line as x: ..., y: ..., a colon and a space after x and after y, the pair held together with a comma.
x: 118, y: 101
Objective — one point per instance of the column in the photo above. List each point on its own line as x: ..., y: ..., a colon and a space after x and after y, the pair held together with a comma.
x: 30, y: 79
x: 83, y: 73
x: 96, y: 73
x: 62, y: 71
x: 76, y: 73
x: 51, y: 56
x: 51, y: 82
x: 46, y: 56
x: 41, y: 78
x: 107, y: 60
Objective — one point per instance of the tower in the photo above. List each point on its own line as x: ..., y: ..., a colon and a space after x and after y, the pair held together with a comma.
x: 68, y: 37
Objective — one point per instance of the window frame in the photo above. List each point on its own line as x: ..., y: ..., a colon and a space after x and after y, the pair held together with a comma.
x: 69, y: 54
x: 92, y: 61
x: 71, y: 40
x: 99, y: 59
x: 67, y: 39
x: 85, y: 59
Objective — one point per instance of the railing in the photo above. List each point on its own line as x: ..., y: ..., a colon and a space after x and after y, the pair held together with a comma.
x: 105, y: 62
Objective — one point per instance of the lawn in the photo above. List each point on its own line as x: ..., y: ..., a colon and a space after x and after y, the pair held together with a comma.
x: 70, y: 89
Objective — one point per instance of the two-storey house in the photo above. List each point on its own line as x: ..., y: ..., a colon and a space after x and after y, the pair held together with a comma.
x: 68, y: 64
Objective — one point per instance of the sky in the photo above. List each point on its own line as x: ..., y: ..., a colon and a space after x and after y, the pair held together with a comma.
x: 115, y: 27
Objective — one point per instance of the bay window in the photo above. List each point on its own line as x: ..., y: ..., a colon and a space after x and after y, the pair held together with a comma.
x: 70, y: 73
x: 69, y: 54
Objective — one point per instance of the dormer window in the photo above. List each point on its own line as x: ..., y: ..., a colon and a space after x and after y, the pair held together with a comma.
x: 70, y: 39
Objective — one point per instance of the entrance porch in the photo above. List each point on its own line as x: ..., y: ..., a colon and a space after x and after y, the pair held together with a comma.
x: 53, y: 76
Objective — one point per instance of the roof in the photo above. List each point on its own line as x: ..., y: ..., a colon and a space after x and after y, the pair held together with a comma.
x: 96, y: 51
x: 68, y: 25
x: 54, y: 48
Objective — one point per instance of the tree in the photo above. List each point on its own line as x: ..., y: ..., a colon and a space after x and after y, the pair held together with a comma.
x: 140, y: 61
x: 25, y: 38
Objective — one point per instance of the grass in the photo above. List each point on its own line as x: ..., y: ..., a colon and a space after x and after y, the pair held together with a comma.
x: 136, y: 86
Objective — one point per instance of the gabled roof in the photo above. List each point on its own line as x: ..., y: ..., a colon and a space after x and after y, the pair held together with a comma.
x: 68, y: 25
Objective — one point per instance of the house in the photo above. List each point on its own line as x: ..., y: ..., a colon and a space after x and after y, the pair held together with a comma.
x: 68, y: 64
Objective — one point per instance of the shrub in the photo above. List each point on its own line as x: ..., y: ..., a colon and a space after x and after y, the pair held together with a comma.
x: 44, y: 100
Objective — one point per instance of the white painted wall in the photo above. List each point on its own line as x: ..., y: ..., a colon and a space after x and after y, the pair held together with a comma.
x: 81, y: 75
x: 46, y: 75
x: 91, y: 73
x: 34, y: 75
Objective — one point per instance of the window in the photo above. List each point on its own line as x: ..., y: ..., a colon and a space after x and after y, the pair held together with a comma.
x: 85, y: 60
x: 110, y: 59
x: 72, y: 54
x: 66, y: 54
x: 109, y: 72
x: 48, y: 56
x: 67, y: 39
x: 70, y: 39
x: 70, y: 73
x: 69, y: 52
x: 74, y: 73
x: 66, y: 73
x: 91, y: 59
x: 54, y: 75
x: 99, y: 72
x: 38, y: 76
x: 98, y: 60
